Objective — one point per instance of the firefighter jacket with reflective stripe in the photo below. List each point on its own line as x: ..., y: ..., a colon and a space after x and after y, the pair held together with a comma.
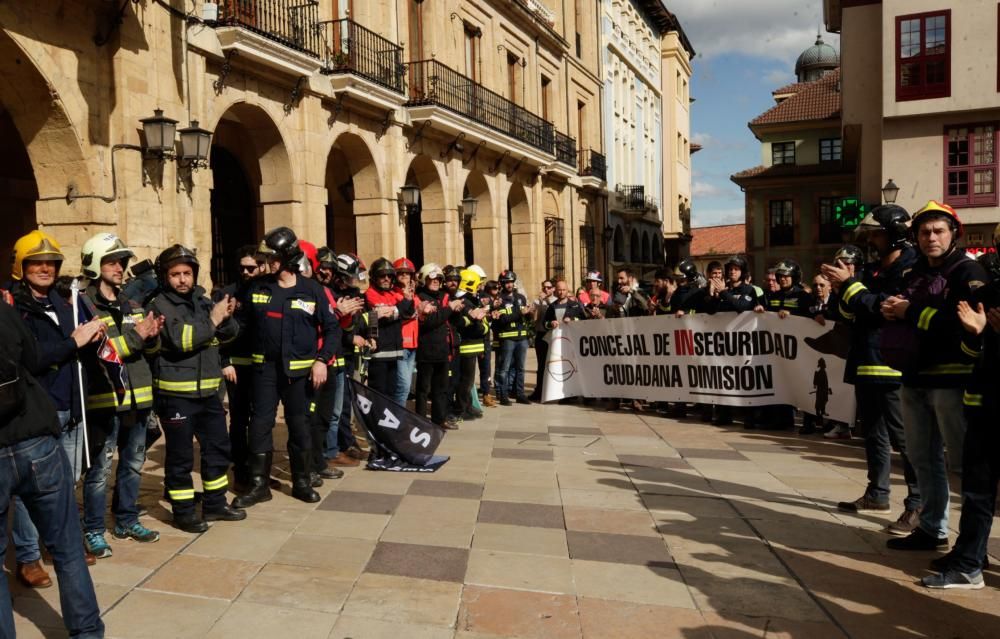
x: 687, y: 298
x: 389, y: 343
x: 942, y: 362
x: 983, y: 386
x: 512, y: 320
x: 471, y: 331
x: 435, y: 328
x: 238, y: 352
x: 860, y: 306
x: 794, y: 300
x: 118, y: 375
x: 189, y: 364
x: 740, y: 298
x: 409, y: 327
x: 350, y: 325
x: 303, y: 321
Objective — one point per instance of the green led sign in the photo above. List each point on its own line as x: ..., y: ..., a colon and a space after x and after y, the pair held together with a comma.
x: 849, y: 212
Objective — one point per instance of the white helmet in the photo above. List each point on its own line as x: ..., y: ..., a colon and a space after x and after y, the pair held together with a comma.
x: 478, y: 270
x: 429, y: 271
x: 98, y: 249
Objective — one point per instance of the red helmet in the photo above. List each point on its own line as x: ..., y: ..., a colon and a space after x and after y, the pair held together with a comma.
x: 403, y: 265
x: 309, y: 251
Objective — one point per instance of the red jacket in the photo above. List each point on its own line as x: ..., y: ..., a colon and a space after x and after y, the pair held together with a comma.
x: 410, y: 326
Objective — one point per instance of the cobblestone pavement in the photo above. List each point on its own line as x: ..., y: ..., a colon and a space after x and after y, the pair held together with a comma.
x: 549, y: 521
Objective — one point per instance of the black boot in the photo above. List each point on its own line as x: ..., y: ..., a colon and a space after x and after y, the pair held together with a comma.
x: 302, y: 484
x: 315, y: 480
x: 190, y: 522
x: 226, y: 513
x: 260, y: 475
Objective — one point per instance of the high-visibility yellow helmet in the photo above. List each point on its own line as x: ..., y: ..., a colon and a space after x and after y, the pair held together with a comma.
x: 936, y: 210
x: 101, y: 247
x: 36, y: 245
x: 470, y: 281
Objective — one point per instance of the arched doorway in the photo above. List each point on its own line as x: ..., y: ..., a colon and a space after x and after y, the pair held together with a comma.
x: 18, y: 191
x: 233, y: 204
x: 481, y: 226
x: 351, y: 175
x: 635, y: 253
x: 646, y: 259
x: 253, y: 191
x: 424, y: 223
x: 519, y: 225
x: 619, y: 244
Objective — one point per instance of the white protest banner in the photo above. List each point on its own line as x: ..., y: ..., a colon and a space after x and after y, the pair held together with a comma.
x: 745, y: 359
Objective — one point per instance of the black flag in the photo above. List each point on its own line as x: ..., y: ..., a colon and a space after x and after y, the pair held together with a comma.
x: 401, y: 440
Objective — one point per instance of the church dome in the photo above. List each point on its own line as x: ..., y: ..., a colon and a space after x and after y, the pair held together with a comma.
x: 816, y: 61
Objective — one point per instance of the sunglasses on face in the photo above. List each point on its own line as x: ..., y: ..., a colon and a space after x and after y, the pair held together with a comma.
x: 246, y: 268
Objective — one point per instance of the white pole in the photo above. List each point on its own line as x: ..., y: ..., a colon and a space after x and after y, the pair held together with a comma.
x: 79, y: 376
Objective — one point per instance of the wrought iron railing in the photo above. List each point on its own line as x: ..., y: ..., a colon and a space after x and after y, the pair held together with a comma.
x: 565, y: 148
x: 634, y: 195
x: 293, y: 23
x: 431, y: 82
x: 349, y: 47
x: 593, y: 164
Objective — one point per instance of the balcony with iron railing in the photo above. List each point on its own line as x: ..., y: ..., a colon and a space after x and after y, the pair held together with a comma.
x: 633, y: 197
x: 593, y: 164
x: 433, y: 83
x: 565, y: 147
x: 351, y: 48
x: 282, y: 34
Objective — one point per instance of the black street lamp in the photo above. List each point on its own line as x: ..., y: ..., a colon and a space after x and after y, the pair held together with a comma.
x: 890, y: 191
x: 159, y: 132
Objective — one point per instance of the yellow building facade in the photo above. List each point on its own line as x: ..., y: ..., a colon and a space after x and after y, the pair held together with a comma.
x: 320, y: 114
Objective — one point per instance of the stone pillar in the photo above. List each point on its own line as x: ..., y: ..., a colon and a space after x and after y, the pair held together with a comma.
x: 377, y: 227
x: 441, y: 236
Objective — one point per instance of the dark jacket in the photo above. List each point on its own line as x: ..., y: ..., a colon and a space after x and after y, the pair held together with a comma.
x: 349, y: 326
x: 107, y: 387
x: 860, y: 306
x: 435, y: 328
x: 389, y: 343
x: 982, y: 390
x: 512, y: 320
x: 740, y: 298
x: 471, y: 332
x: 794, y: 300
x: 238, y: 352
x: 37, y: 416
x: 942, y: 363
x: 571, y: 309
x: 687, y: 298
x: 189, y: 364
x: 57, y: 370
x: 631, y: 304
x: 304, y: 324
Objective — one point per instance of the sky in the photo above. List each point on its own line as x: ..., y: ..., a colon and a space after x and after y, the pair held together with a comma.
x: 745, y: 49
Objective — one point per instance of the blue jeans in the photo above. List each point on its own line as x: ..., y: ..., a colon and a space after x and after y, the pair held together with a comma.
x: 933, y: 417
x: 338, y: 379
x: 23, y: 531
x: 37, y: 471
x: 404, y: 375
x: 510, y: 370
x: 131, y: 444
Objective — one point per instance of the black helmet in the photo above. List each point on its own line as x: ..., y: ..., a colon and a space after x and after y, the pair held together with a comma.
x: 686, y: 269
x: 282, y: 244
x: 507, y: 276
x: 452, y: 274
x: 326, y: 257
x: 789, y: 267
x: 381, y: 267
x: 850, y: 254
x: 740, y: 262
x: 173, y: 256
x: 350, y: 266
x: 891, y: 218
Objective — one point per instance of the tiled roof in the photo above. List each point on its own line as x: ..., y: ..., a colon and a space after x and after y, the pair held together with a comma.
x: 816, y: 100
x: 794, y: 87
x: 790, y: 170
x: 718, y: 240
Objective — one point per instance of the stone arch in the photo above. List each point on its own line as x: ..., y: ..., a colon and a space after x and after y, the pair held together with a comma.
x: 353, y: 184
x: 424, y: 226
x: 43, y: 156
x: 519, y: 239
x: 252, y: 184
x: 646, y: 255
x: 634, y: 250
x: 479, y: 234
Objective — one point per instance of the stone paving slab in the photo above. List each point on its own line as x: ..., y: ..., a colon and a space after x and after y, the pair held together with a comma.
x: 654, y: 528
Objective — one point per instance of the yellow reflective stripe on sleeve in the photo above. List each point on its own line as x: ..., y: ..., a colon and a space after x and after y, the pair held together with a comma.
x: 110, y: 321
x: 257, y: 358
x: 472, y: 348
x: 312, y: 407
x: 215, y: 484
x: 970, y: 352
x: 121, y: 346
x: 183, y: 494
x: 971, y: 399
x: 878, y: 371
x: 299, y: 364
x: 774, y: 302
x: 260, y: 298
x: 847, y: 315
x: 926, y: 315
x: 947, y: 369
x: 143, y: 394
x: 241, y: 361
x: 853, y: 290
x: 187, y: 337
x: 189, y: 387
x: 792, y: 303
x: 104, y: 400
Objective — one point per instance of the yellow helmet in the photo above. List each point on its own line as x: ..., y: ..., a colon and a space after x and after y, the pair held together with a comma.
x: 36, y: 245
x: 470, y: 280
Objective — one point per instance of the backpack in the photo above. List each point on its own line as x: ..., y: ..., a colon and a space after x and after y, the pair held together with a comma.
x: 901, y: 342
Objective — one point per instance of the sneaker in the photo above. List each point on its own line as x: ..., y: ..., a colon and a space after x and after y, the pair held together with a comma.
x: 917, y: 540
x: 906, y: 523
x: 136, y: 531
x: 840, y: 432
x: 864, y: 504
x: 954, y: 580
x: 94, y: 541
x: 505, y: 401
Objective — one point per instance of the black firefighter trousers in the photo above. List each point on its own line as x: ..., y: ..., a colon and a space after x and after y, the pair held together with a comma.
x: 183, y: 420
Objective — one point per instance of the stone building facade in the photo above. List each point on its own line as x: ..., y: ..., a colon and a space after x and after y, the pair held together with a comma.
x: 320, y: 113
